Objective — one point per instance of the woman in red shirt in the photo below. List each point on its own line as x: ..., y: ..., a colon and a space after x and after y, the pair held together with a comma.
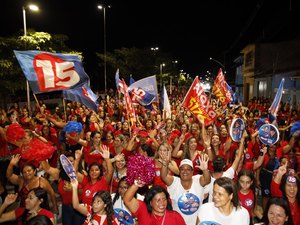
x: 156, y: 207
x: 95, y: 182
x: 36, y: 204
x: 288, y: 186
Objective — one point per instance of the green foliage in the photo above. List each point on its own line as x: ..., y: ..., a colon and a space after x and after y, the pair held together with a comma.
x: 139, y: 63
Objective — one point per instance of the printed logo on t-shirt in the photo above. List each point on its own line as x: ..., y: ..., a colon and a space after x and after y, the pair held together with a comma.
x: 87, y: 193
x: 123, y: 216
x: 247, y: 156
x: 188, y: 203
x: 248, y: 203
x: 209, y: 223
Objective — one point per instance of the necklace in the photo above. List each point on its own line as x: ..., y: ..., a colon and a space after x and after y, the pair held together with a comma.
x: 163, y: 219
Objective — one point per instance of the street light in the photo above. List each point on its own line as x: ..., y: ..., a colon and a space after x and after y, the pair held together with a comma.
x: 32, y: 8
x: 154, y: 49
x: 212, y: 59
x: 104, y: 41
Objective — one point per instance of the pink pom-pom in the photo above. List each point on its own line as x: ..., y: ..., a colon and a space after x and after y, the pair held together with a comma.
x: 140, y: 167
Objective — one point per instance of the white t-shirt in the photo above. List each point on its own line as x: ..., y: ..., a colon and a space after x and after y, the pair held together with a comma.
x: 209, y: 214
x: 209, y: 188
x: 187, y: 202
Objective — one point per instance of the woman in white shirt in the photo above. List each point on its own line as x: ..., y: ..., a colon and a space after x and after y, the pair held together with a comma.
x: 225, y: 208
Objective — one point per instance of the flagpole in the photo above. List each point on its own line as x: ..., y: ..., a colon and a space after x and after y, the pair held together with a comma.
x: 28, y: 97
x: 37, y: 102
x: 170, y: 85
x: 65, y: 112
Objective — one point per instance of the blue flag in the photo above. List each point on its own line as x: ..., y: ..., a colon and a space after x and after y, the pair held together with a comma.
x: 148, y: 85
x: 83, y: 95
x: 276, y: 102
x: 142, y: 97
x: 131, y: 80
x: 46, y: 71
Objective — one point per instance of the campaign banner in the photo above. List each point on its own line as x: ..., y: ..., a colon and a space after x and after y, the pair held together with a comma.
x: 237, y: 129
x: 197, y: 102
x: 221, y: 89
x: 276, y: 102
x: 147, y: 84
x: 46, y: 71
x: 83, y: 95
x: 129, y: 107
x: 141, y: 97
x: 268, y: 134
x: 67, y: 166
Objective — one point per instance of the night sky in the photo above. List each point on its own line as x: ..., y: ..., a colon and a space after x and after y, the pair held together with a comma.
x: 192, y: 31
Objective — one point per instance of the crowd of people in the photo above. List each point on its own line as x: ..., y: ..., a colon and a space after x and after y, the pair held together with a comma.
x: 200, y: 174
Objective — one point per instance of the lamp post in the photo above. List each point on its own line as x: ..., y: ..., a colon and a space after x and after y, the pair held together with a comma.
x: 174, y: 65
x: 32, y: 8
x: 161, y: 70
x: 104, y: 41
x: 212, y: 59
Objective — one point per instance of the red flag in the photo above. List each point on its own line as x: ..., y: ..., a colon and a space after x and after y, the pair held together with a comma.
x: 220, y: 89
x: 129, y: 108
x: 197, y: 103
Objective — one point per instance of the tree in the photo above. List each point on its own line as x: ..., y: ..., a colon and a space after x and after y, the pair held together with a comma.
x: 11, y: 75
x: 139, y: 63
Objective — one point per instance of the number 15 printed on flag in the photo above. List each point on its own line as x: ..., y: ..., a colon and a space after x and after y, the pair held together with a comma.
x: 48, y: 72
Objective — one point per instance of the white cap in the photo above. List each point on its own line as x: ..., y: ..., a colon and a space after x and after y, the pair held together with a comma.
x: 186, y: 162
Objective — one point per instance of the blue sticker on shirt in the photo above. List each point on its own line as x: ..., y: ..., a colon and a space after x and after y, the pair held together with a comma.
x: 209, y: 223
x: 248, y: 203
x: 123, y: 217
x: 188, y: 203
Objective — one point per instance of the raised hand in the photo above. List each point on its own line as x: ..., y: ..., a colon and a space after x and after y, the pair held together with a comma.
x: 138, y: 182
x: 282, y: 169
x: 78, y: 153
x: 74, y: 183
x: 203, y: 159
x: 119, y: 157
x: 10, y: 198
x: 15, y: 159
x: 105, y: 152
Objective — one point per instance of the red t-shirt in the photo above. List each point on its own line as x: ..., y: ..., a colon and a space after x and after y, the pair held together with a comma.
x: 66, y: 196
x: 97, y: 218
x: 295, y: 208
x: 170, y: 217
x: 247, y: 201
x: 43, y: 212
x: 90, y: 189
x: 89, y: 157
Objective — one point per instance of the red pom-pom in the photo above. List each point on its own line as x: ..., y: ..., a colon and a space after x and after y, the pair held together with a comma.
x: 37, y: 150
x: 14, y: 132
x: 140, y: 167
